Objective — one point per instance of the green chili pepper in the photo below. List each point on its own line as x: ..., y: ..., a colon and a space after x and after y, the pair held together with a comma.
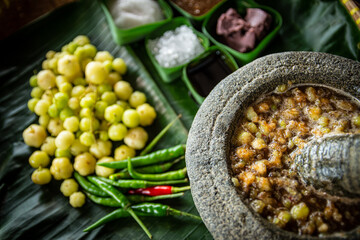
x: 144, y: 209
x: 151, y: 158
x: 133, y: 183
x: 121, y: 199
x: 158, y: 137
x: 88, y: 186
x: 110, y: 190
x: 110, y: 202
x: 161, y: 210
x: 172, y: 175
x: 157, y: 168
x: 118, y: 213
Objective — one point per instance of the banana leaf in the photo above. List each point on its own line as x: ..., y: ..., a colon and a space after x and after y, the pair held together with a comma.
x: 41, y: 212
x: 316, y: 25
x: 29, y: 211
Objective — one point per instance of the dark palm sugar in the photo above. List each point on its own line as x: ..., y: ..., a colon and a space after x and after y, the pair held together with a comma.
x: 205, y: 74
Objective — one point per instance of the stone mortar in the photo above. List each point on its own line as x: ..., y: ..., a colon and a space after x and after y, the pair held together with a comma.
x: 217, y: 200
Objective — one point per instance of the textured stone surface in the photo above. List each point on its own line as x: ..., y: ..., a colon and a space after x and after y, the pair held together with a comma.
x: 217, y: 200
x: 332, y: 164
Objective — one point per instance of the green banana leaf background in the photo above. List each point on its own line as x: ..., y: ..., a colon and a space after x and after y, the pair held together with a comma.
x: 29, y: 211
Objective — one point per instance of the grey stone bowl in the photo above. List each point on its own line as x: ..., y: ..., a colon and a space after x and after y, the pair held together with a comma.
x: 219, y: 203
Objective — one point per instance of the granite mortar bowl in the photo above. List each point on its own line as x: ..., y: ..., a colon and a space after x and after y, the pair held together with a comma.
x: 216, y: 198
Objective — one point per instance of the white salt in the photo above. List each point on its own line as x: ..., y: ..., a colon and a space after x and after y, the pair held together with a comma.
x: 176, y: 47
x: 132, y: 13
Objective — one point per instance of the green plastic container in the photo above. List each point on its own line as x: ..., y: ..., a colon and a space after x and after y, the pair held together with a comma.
x: 124, y: 36
x: 193, y: 17
x: 209, y: 28
x: 202, y: 59
x: 170, y: 74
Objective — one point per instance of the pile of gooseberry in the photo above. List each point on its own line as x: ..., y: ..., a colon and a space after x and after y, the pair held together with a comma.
x: 84, y: 107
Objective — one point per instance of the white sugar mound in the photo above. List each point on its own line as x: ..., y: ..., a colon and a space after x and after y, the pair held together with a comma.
x: 132, y: 13
x: 176, y: 47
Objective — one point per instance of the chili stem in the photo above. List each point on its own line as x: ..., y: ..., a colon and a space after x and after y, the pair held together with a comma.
x: 137, y: 219
x: 173, y: 211
x: 180, y: 189
x: 150, y: 146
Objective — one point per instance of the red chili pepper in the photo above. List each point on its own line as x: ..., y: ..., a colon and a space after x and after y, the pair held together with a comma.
x: 158, y: 190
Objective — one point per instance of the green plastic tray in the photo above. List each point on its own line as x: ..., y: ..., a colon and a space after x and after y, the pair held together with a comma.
x: 209, y: 28
x: 124, y: 36
x: 196, y: 18
x: 171, y: 74
x: 229, y: 60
